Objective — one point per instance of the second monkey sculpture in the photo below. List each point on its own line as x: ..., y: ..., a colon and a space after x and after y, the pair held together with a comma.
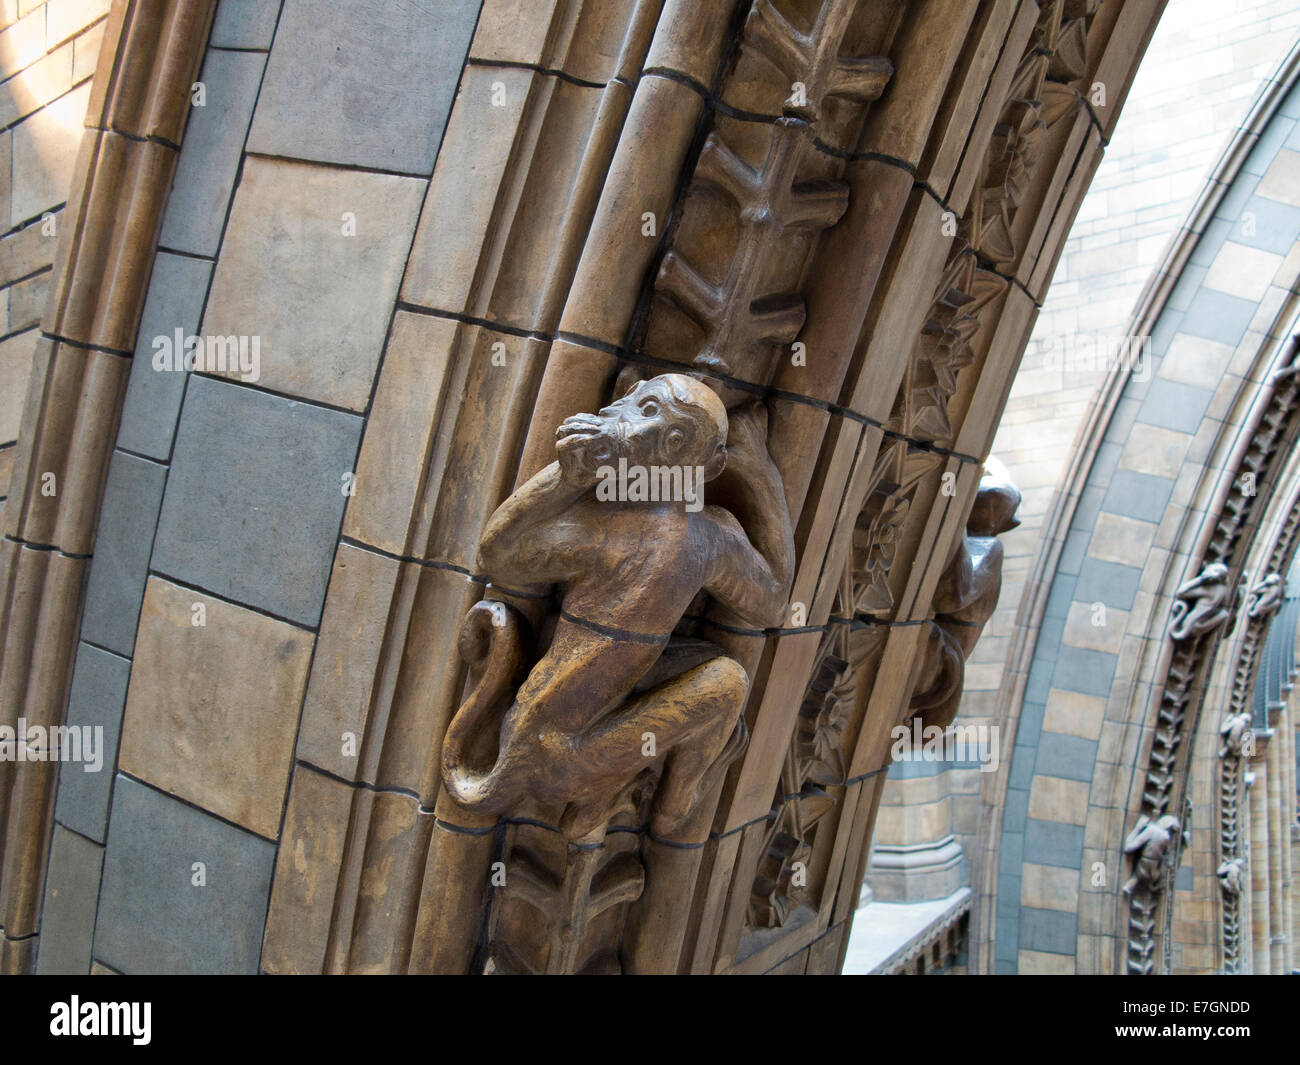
x: 573, y: 733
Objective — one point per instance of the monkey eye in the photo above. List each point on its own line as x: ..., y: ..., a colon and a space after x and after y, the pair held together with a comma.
x: 649, y: 408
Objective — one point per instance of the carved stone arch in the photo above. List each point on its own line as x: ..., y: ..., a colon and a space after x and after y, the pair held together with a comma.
x: 1200, y: 521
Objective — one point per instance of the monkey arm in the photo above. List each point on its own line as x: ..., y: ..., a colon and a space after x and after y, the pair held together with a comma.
x: 755, y: 557
x: 524, y: 539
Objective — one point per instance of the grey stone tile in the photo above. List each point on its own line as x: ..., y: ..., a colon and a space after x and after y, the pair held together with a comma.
x: 1234, y: 200
x: 152, y: 916
x: 1108, y: 582
x: 1291, y: 105
x: 1022, y: 766
x: 1174, y: 405
x: 1007, y: 950
x: 1139, y: 495
x: 153, y: 396
x: 98, y: 696
x: 1017, y: 806
x: 1272, y: 138
x: 255, y: 499
x: 1060, y: 597
x: 210, y: 153
x: 1013, y: 846
x: 1183, y: 879
x: 1211, y: 240
x: 363, y: 84
x: 1071, y: 757
x: 1072, y: 553
x: 1218, y: 316
x: 1168, y: 324
x: 1087, y: 509
x: 1030, y: 727
x: 1050, y: 843
x: 68, y: 914
x: 1272, y: 225
x: 1189, y: 280
x: 1004, y: 967
x: 1040, y: 680
x: 244, y: 23
x: 1053, y: 931
x: 1090, y: 672
x: 127, y: 519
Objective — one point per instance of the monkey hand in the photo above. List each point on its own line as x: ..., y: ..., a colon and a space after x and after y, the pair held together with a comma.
x: 747, y: 455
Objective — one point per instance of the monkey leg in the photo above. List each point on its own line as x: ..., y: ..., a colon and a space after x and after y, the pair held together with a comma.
x: 691, y: 718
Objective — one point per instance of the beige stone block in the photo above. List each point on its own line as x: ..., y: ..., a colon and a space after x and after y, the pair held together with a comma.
x: 1095, y: 626
x: 1156, y: 451
x: 1040, y: 963
x: 1242, y: 271
x: 27, y: 301
x: 1045, y: 887
x: 1196, y: 361
x: 1074, y: 714
x: 487, y: 245
x: 85, y: 53
x: 1281, y: 181
x: 45, y: 148
x: 345, y: 669
x: 1060, y: 800
x: 25, y: 251
x: 1120, y: 539
x: 310, y: 265
x: 23, y: 42
x: 66, y: 18
x: 33, y: 88
x: 212, y: 709
x: 16, y: 355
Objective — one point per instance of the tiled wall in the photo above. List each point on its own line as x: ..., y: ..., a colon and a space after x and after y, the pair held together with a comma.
x: 48, y: 53
x: 294, y: 208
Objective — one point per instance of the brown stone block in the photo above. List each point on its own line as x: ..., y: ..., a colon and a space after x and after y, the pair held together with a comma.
x: 120, y: 184
x: 578, y: 379
x: 924, y: 54
x: 306, y: 874
x: 771, y: 731
x: 73, y: 446
x: 421, y: 681
x: 16, y: 355
x: 148, y: 61
x: 386, y: 857
x: 27, y: 250
x: 503, y: 247
x: 475, y: 452
x: 212, y: 709
x: 404, y: 417
x: 907, y: 283
x: 689, y: 40
x: 587, y: 40
x: 643, y: 177
x: 451, y: 907
x: 959, y: 141
x: 310, y: 265
x: 345, y: 672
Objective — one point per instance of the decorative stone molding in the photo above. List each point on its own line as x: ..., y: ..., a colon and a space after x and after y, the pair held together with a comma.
x: 138, y: 108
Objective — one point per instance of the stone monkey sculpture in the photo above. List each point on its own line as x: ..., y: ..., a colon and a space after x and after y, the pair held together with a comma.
x: 1202, y: 604
x: 1148, y: 843
x: 574, y: 732
x: 966, y: 596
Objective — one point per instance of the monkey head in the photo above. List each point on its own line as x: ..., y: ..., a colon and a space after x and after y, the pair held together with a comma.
x: 671, y: 420
x: 996, y: 502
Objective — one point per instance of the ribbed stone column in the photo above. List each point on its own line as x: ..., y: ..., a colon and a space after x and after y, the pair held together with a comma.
x: 1259, y: 857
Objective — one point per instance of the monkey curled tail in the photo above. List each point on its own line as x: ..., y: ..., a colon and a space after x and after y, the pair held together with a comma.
x: 491, y: 640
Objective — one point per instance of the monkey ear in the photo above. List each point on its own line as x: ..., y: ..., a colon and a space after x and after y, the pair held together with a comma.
x: 716, y: 462
x: 628, y: 378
